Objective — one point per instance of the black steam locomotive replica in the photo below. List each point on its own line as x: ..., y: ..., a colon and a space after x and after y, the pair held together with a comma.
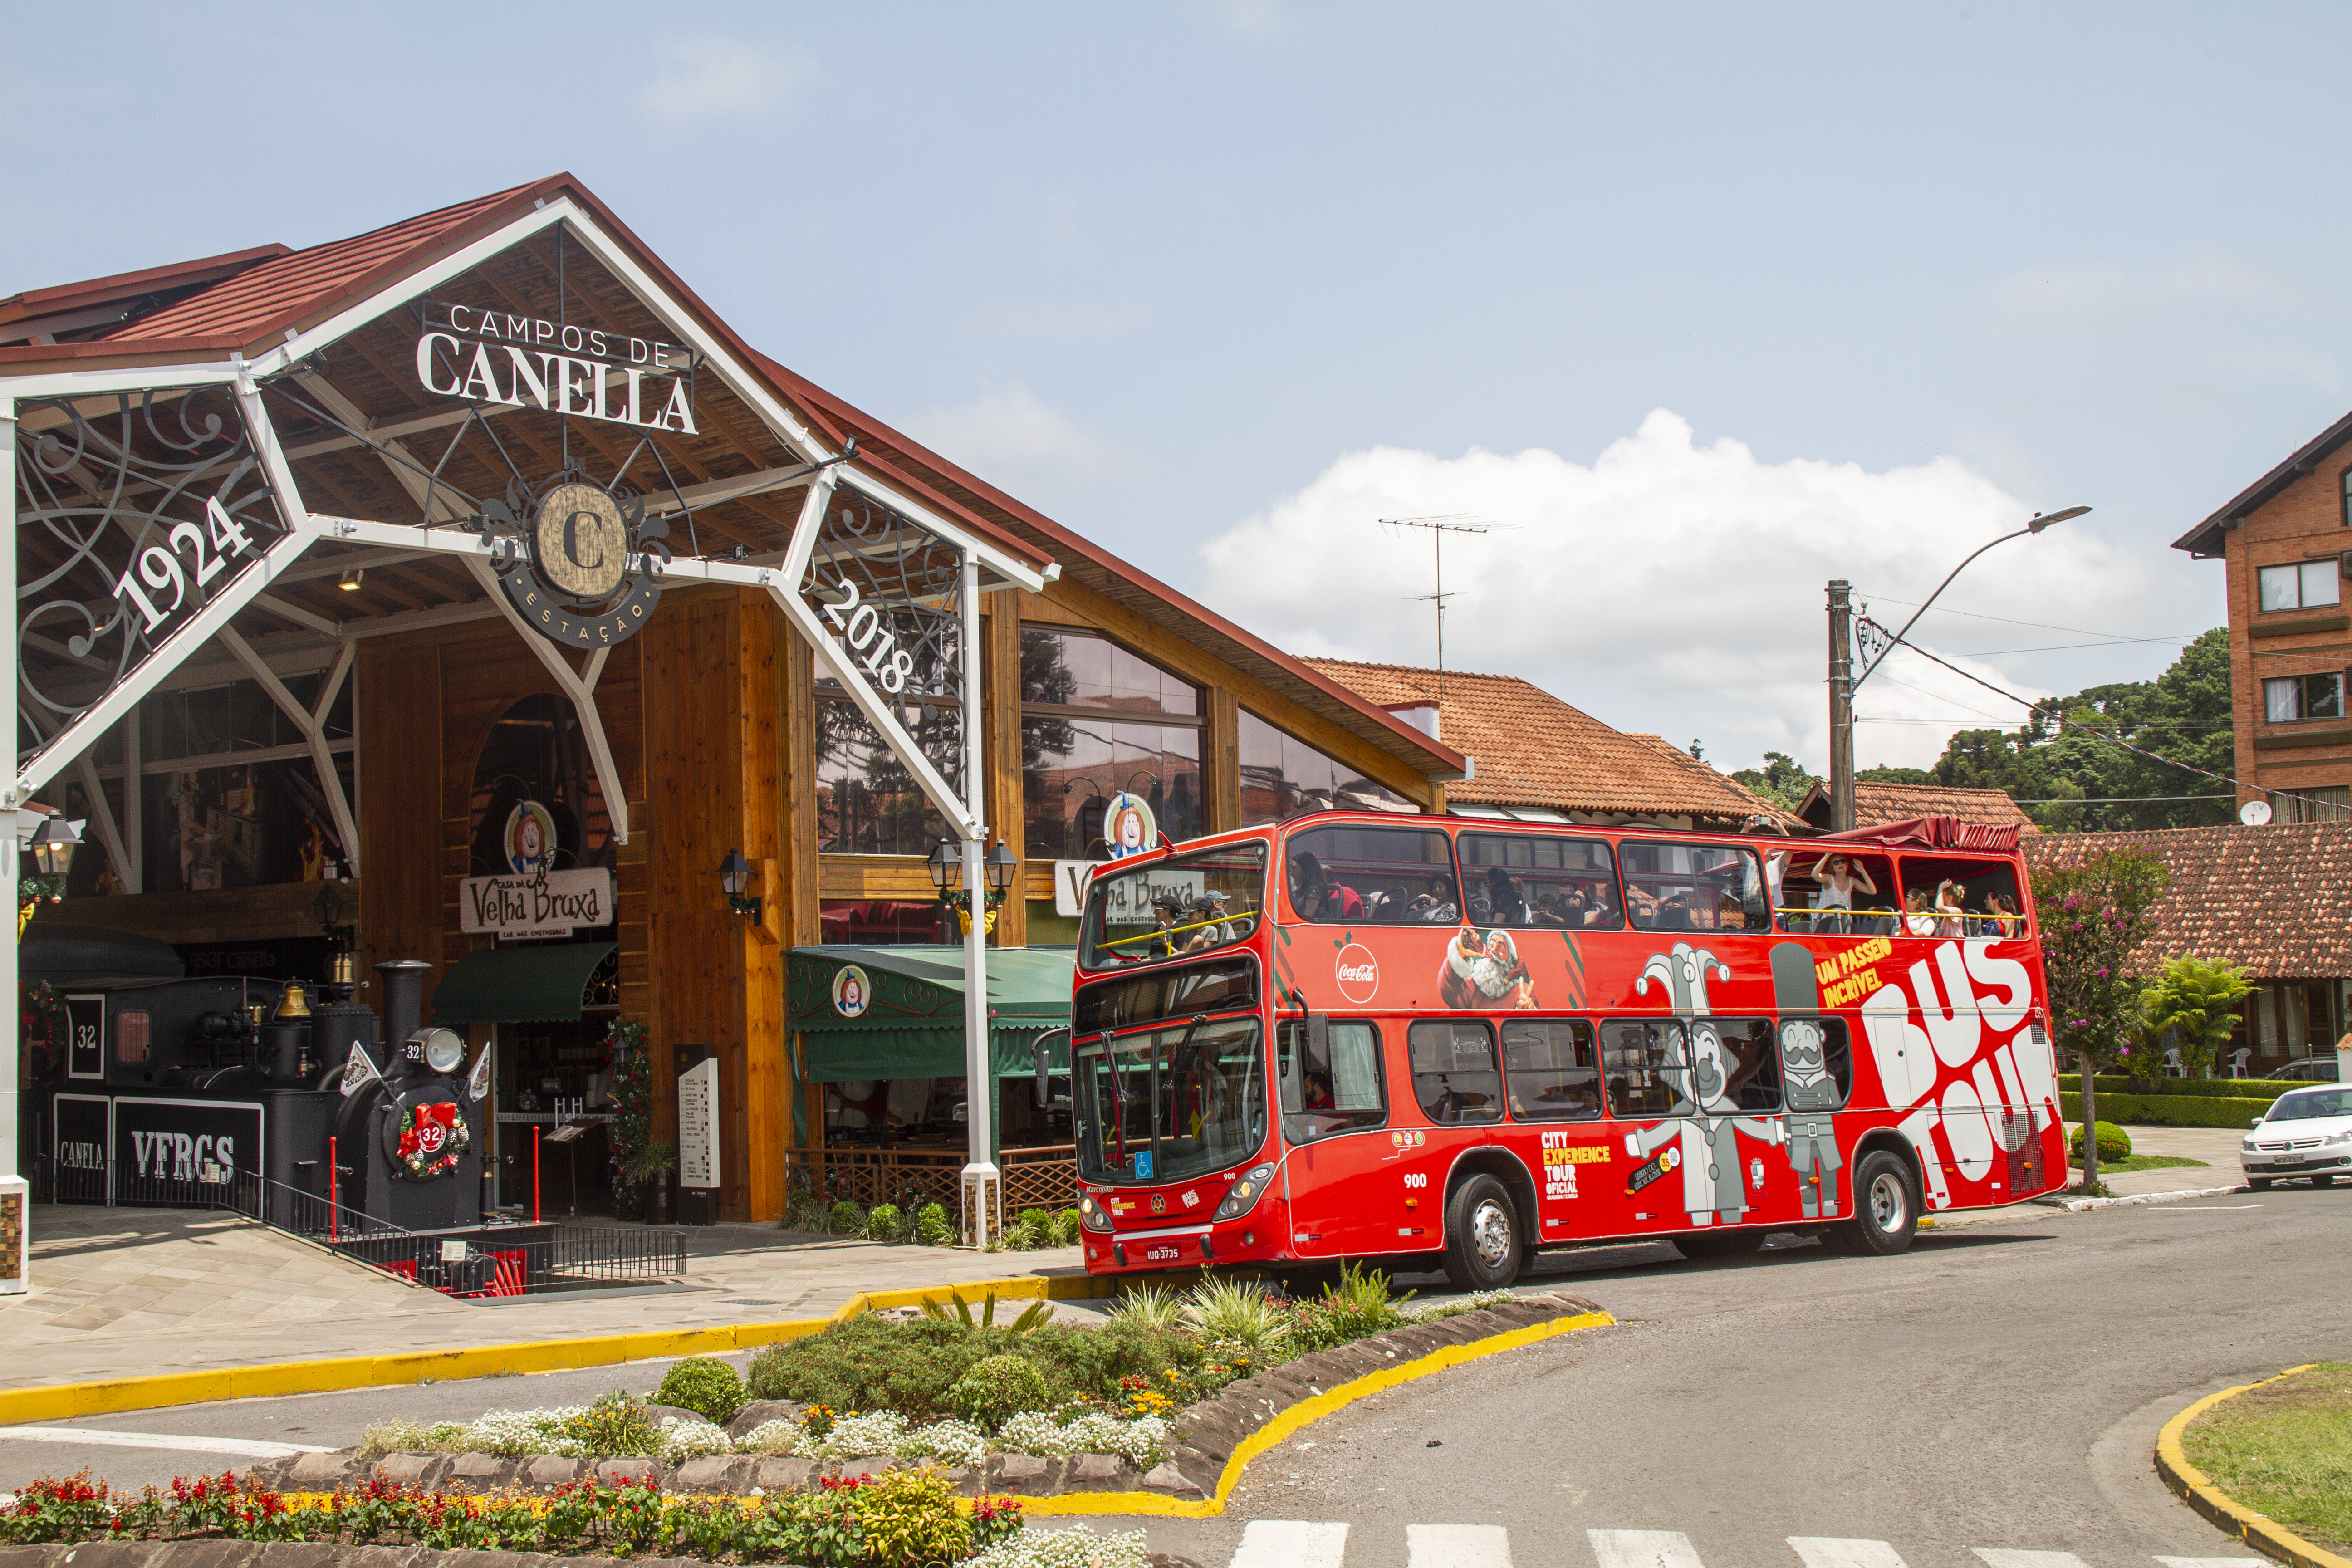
x: 247, y: 1092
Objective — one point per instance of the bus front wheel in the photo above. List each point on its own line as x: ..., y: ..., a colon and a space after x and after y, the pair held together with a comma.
x: 1482, y: 1236
x: 1886, y: 1203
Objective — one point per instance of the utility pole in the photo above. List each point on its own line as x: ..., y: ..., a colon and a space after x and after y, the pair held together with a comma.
x: 1841, y: 705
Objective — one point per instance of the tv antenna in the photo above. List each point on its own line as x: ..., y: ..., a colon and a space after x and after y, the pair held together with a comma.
x: 1438, y: 527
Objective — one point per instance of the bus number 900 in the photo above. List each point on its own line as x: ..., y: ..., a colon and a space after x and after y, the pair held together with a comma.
x: 1415, y: 1179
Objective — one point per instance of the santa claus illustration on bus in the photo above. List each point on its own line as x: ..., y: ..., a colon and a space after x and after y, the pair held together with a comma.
x: 1484, y: 971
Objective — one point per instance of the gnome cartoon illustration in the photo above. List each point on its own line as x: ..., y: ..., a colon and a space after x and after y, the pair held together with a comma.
x: 1715, y: 1191
x: 1484, y: 970
x: 1811, y: 1094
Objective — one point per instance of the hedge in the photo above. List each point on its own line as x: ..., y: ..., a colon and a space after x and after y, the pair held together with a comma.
x: 2175, y: 1110
x: 2069, y: 1087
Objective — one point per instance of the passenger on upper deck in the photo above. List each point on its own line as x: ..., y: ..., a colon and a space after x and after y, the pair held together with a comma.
x: 1505, y: 906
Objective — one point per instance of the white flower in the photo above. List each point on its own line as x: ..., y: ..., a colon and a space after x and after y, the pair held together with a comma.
x: 878, y: 1432
x: 692, y: 1439
x: 1079, y: 1547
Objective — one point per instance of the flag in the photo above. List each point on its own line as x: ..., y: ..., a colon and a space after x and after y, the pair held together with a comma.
x: 360, y: 1068
x: 478, y: 1082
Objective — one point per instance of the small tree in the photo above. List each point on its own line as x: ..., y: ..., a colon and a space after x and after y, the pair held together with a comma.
x: 2195, y: 1000
x: 2093, y: 917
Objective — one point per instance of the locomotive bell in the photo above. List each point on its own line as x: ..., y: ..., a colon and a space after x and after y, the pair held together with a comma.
x: 294, y: 1004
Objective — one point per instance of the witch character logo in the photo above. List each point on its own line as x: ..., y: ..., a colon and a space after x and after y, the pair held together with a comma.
x: 581, y: 562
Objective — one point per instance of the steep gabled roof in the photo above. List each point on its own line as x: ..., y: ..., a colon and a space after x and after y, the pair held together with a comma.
x: 106, y: 302
x: 2204, y: 540
x: 1533, y: 749
x: 2277, y: 899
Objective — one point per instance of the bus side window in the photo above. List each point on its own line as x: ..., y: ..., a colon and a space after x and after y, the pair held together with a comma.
x: 1339, y: 1090
x: 1645, y: 1066
x: 1453, y: 1071
x: 1549, y: 1065
x: 1816, y: 1063
x: 1947, y: 896
x: 1751, y: 1073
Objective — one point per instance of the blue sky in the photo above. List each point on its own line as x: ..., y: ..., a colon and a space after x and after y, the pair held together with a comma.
x: 1221, y: 284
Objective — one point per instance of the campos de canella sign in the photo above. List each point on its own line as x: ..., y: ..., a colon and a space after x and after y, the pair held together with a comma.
x: 499, y: 356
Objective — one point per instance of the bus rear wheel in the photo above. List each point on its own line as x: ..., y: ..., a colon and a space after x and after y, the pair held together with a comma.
x: 1482, y: 1236
x: 1885, y: 1204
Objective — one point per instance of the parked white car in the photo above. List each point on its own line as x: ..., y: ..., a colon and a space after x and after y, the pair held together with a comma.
x: 2308, y: 1133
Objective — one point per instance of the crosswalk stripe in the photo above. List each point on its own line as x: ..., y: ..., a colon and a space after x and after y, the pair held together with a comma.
x: 237, y: 1447
x: 2215, y: 1561
x: 1457, y: 1546
x: 1290, y: 1543
x: 1643, y: 1548
x: 2002, y: 1557
x: 1836, y: 1552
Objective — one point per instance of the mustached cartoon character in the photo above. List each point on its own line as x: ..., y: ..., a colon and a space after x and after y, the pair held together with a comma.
x: 1715, y: 1191
x: 1812, y: 1095
x: 1484, y: 971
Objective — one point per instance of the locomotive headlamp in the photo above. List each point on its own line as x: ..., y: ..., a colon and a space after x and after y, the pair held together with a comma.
x: 1246, y: 1193
x: 1092, y: 1215
x: 442, y: 1049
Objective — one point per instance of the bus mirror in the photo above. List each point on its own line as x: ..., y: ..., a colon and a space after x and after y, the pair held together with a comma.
x: 1045, y: 1038
x: 1319, y: 1037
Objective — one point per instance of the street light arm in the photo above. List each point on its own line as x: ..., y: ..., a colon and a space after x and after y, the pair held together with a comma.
x: 1931, y: 598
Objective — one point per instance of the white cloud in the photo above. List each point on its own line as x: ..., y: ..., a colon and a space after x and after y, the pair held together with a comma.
x: 1007, y: 429
x: 705, y: 75
x: 1668, y: 586
x: 1052, y: 321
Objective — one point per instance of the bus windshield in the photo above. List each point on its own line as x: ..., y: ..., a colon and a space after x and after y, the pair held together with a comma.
x: 1190, y: 904
x: 1168, y: 1105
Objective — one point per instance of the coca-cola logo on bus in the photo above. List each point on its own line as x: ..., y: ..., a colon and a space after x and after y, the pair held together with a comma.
x: 1358, y: 972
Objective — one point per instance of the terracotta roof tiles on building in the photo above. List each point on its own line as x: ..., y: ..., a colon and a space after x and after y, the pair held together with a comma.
x: 2277, y: 899
x: 1534, y: 750
x: 1876, y: 805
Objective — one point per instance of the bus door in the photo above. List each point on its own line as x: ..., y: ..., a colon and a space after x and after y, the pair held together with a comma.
x: 1344, y: 1164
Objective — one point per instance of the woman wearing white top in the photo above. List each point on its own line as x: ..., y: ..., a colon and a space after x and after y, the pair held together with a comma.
x: 1839, y: 876
x: 1950, y: 902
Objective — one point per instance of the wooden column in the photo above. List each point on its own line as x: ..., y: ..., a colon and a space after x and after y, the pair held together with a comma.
x: 714, y: 783
x: 399, y: 722
x: 1221, y: 762
x: 1000, y: 679
x: 796, y: 733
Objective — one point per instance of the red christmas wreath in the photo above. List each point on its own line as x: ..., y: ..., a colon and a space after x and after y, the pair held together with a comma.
x: 431, y: 1138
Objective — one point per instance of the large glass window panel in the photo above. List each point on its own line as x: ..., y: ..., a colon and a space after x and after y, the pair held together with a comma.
x: 1386, y: 875
x: 1282, y: 777
x: 2323, y: 582
x: 1454, y: 1075
x: 2283, y: 700
x: 866, y: 801
x: 1646, y: 1066
x: 2280, y: 588
x: 1693, y: 887
x: 1071, y: 766
x: 241, y: 826
x: 1549, y: 1066
x: 1069, y: 668
x: 1331, y: 1087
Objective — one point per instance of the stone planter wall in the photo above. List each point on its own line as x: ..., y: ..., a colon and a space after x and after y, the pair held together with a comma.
x: 1204, y: 1438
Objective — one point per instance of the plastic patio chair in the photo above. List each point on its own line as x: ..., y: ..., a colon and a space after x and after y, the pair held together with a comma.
x: 2238, y: 1060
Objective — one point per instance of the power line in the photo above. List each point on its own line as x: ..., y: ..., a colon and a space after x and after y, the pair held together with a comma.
x: 2113, y: 799
x: 2011, y: 621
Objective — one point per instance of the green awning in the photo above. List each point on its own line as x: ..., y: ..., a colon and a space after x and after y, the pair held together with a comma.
x: 519, y: 984
x: 910, y: 1023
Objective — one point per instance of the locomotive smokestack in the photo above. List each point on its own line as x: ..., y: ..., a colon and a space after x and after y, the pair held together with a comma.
x: 403, y: 1005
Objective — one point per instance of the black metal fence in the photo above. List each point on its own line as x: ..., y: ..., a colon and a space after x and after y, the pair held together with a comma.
x: 495, y: 1258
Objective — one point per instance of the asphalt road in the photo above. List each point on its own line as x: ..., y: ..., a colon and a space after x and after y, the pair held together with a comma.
x: 1999, y: 1387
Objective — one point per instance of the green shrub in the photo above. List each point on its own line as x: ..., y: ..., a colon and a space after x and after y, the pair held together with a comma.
x: 997, y: 1387
x: 2070, y: 1088
x: 2180, y: 1109
x: 1240, y: 1311
x: 846, y: 1219
x: 2114, y: 1143
x: 868, y: 1364
x: 1153, y: 1307
x: 704, y: 1384
x: 884, y: 1224
x: 618, y: 1426
x: 932, y: 1227
x: 908, y: 1519
x: 1066, y: 1228
x: 1032, y: 1229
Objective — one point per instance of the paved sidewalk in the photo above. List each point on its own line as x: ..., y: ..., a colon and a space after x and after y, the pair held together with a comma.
x: 125, y: 1292
x: 2217, y: 1146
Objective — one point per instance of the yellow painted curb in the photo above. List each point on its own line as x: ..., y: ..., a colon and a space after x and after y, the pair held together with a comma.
x: 2257, y: 1530
x: 64, y: 1401
x: 1303, y: 1413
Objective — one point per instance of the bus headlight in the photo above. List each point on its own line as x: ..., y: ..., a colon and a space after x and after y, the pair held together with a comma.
x: 1246, y: 1193
x: 1091, y: 1214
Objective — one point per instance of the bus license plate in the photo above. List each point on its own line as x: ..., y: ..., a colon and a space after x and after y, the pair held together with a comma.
x: 1163, y: 1252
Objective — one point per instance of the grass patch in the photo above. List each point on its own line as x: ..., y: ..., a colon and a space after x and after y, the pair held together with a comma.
x: 2146, y: 1162
x: 2285, y: 1449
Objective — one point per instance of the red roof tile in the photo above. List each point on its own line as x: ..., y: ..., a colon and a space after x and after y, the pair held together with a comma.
x: 1876, y: 805
x: 2277, y: 899
x: 62, y: 296
x: 1534, y: 750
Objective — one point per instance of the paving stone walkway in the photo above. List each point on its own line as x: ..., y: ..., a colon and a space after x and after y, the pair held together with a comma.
x: 123, y: 1292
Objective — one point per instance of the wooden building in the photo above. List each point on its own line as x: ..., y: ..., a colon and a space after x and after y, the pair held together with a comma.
x: 368, y: 721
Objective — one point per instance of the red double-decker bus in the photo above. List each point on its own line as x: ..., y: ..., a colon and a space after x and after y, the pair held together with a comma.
x: 1359, y: 1036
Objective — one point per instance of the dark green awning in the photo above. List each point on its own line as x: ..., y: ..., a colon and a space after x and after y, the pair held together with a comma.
x: 912, y: 1022
x: 519, y: 984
